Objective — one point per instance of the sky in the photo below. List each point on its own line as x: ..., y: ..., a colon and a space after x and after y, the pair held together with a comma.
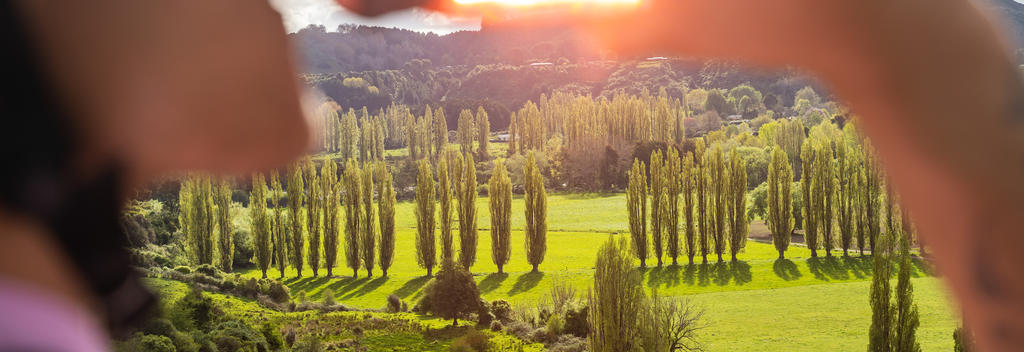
x: 301, y: 13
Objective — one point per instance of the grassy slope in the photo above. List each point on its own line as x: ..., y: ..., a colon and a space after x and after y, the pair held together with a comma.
x: 579, y: 224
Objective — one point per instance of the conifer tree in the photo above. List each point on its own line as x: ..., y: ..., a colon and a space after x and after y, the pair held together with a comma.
x: 536, y: 213
x: 636, y: 204
x: 295, y: 195
x: 426, y: 250
x: 222, y: 196
x: 810, y: 212
x: 673, y: 175
x: 444, y: 190
x: 739, y: 226
x: 353, y: 215
x: 314, y: 212
x: 368, y: 223
x: 260, y: 223
x: 657, y: 173
x: 780, y: 206
x: 500, y: 192
x: 386, y: 206
x: 331, y: 188
x: 279, y: 223
x: 465, y: 131
x: 718, y: 181
x: 466, y: 195
x: 688, y: 182
x: 483, y: 131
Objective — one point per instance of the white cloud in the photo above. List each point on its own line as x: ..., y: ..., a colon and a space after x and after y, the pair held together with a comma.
x: 301, y: 13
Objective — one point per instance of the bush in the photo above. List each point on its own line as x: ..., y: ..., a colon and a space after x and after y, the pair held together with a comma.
x: 576, y: 321
x: 227, y: 284
x: 233, y: 336
x: 519, y: 329
x: 567, y: 343
x: 289, y: 338
x: 308, y: 343
x: 394, y: 304
x: 155, y: 343
x: 277, y: 291
x: 159, y: 326
x: 473, y: 340
x: 301, y: 297
x: 501, y: 310
x: 244, y: 249
x: 483, y: 314
x: 194, y: 311
x: 328, y: 297
x: 208, y: 270
x: 496, y: 326
x: 183, y: 269
x: 555, y: 325
x: 272, y: 335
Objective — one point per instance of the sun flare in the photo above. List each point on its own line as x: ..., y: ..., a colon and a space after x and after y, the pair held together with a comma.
x: 526, y: 3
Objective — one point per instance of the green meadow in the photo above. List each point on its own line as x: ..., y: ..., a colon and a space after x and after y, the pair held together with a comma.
x: 758, y: 302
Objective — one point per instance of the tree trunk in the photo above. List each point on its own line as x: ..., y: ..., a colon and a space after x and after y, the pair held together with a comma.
x: 719, y: 257
x: 782, y: 255
x: 674, y: 262
x: 329, y: 273
x: 643, y: 263
x: 264, y: 274
x: 430, y: 271
x: 814, y: 253
x: 383, y: 272
x: 734, y: 257
x: 659, y: 261
x: 455, y: 321
x: 845, y: 252
x: 369, y: 273
x: 535, y: 268
x: 499, y: 269
x: 704, y: 259
x: 355, y: 273
x: 691, y: 260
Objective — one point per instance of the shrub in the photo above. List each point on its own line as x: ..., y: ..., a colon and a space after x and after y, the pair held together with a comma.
x: 301, y: 297
x: 227, y: 284
x: 237, y: 336
x: 308, y: 343
x: 539, y: 335
x: 555, y: 325
x: 227, y: 343
x: 519, y: 329
x: 272, y: 335
x: 496, y: 326
x: 394, y: 304
x: 244, y: 249
x: 289, y: 338
x: 483, y: 314
x: 194, y: 311
x: 501, y: 310
x: 567, y: 343
x: 159, y: 326
x: 268, y: 302
x: 155, y: 343
x: 183, y: 269
x: 473, y: 340
x: 576, y: 321
x: 208, y: 270
x: 454, y: 293
x: 328, y: 297
x: 278, y: 292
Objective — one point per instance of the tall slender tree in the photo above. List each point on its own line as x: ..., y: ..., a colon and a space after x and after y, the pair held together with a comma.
x: 444, y: 189
x: 260, y: 223
x: 689, y: 184
x: 314, y: 212
x: 412, y: 137
x: 295, y: 218
x: 657, y: 173
x: 513, y: 131
x: 353, y: 215
x: 738, y: 228
x: 386, y: 206
x: 426, y: 247
x: 500, y: 192
x: 672, y: 175
x: 440, y: 130
x: 717, y: 180
x: 465, y: 131
x: 826, y: 195
x: 845, y: 194
x: 872, y: 190
x: 331, y: 189
x: 636, y: 204
x: 881, y: 331
x: 536, y: 213
x: 483, y: 132
x: 279, y: 223
x: 466, y: 195
x: 368, y: 223
x: 225, y: 241
x: 702, y: 187
x: 905, y: 314
x: 780, y: 207
x: 197, y: 218
x: 808, y: 191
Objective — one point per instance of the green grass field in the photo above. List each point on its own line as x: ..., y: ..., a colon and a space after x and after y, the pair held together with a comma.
x: 756, y: 303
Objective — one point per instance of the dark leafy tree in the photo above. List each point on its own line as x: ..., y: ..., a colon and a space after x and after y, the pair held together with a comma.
x: 454, y: 294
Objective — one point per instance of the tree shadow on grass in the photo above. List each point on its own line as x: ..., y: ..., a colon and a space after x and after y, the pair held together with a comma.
x: 346, y: 285
x: 703, y: 274
x: 663, y: 276
x: 304, y: 284
x: 411, y: 286
x: 828, y: 268
x: 689, y: 274
x: 491, y: 282
x: 786, y: 269
x: 740, y: 271
x: 368, y: 287
x: 525, y: 282
x: 860, y: 266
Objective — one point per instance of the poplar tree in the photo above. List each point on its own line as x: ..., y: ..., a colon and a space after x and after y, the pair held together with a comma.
x: 222, y: 196
x: 197, y: 218
x: 689, y: 185
x: 426, y: 249
x: 279, y: 223
x: 739, y: 226
x: 483, y: 131
x: 466, y: 194
x: 905, y: 314
x: 657, y: 173
x: 845, y: 175
x: 673, y: 176
x: 513, y: 130
x: 780, y: 206
x: 500, y: 191
x: 331, y: 189
x: 386, y: 206
x: 536, y: 213
x: 353, y: 215
x: 426, y: 130
x: 367, y: 224
x: 872, y: 190
x: 717, y: 180
x: 465, y: 132
x: 412, y: 137
x: 260, y: 223
x: 703, y: 218
x: 807, y: 181
x: 348, y: 136
x: 314, y: 212
x: 440, y: 130
x: 444, y: 189
x: 881, y: 331
x: 636, y: 204
x: 295, y: 195
x: 826, y: 195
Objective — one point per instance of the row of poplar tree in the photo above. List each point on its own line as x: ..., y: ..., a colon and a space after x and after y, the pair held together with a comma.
x: 712, y: 190
x: 456, y: 188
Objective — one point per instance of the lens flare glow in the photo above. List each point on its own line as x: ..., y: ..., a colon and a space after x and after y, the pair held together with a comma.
x: 526, y: 3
